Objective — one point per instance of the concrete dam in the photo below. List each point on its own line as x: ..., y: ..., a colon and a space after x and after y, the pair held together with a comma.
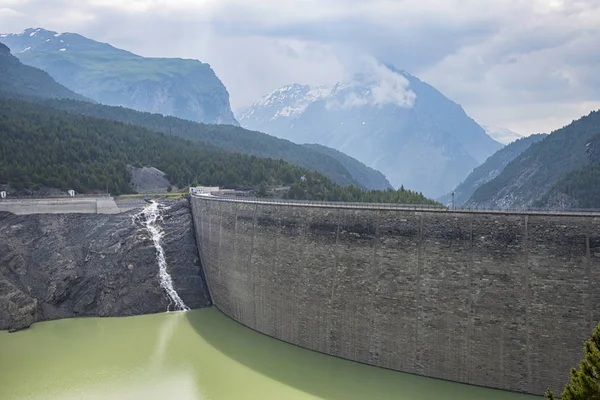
x: 502, y: 300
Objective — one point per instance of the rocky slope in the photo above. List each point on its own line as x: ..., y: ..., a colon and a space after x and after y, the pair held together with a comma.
x: 491, y: 168
x: 187, y: 89
x: 68, y: 265
x: 387, y: 119
x: 529, y: 178
x: 22, y: 80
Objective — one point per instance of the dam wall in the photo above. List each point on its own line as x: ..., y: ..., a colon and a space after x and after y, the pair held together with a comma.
x: 502, y: 300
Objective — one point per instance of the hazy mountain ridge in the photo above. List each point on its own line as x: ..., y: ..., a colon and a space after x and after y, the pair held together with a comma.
x: 372, y: 179
x: 226, y: 137
x: 19, y: 79
x: 184, y: 88
x: 491, y: 168
x: 527, y: 179
x: 387, y: 119
x: 501, y: 135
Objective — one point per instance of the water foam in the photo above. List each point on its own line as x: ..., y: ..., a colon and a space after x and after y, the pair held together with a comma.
x: 151, y: 217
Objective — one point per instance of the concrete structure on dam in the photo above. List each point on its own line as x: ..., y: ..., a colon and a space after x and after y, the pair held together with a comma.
x: 502, y: 300
x: 63, y: 205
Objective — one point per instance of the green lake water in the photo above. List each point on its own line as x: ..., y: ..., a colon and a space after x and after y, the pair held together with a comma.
x: 199, y: 354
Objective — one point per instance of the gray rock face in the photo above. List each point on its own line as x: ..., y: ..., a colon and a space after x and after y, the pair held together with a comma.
x: 67, y: 265
x: 184, y: 88
x: 149, y: 180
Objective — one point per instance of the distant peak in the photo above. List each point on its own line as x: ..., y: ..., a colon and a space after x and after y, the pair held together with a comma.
x: 4, y: 50
x: 36, y: 31
x: 501, y: 134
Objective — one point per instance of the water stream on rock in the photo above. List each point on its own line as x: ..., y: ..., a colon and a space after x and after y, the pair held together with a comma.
x: 150, y: 217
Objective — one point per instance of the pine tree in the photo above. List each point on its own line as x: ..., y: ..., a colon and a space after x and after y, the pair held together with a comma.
x: 585, y: 382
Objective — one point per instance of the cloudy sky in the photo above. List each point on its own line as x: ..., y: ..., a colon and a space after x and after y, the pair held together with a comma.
x: 527, y: 65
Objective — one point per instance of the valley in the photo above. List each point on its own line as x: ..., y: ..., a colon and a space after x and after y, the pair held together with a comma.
x: 381, y: 217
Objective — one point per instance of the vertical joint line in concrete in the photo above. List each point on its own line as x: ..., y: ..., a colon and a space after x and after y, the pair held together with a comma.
x: 250, y: 265
x: 237, y: 307
x: 527, y: 305
x: 335, y: 254
x: 219, y: 259
x: 418, y: 293
x: 333, y: 281
x: 467, y: 368
x: 590, y: 285
x: 373, y: 283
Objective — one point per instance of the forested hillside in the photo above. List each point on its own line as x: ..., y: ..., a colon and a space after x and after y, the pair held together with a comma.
x: 45, y: 147
x: 528, y: 178
x: 579, y: 188
x: 491, y: 168
x: 314, y: 189
x: 226, y: 137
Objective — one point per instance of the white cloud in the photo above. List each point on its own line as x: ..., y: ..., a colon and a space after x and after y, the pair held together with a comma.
x: 525, y: 65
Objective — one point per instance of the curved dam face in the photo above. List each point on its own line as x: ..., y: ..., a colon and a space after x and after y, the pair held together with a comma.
x: 492, y: 299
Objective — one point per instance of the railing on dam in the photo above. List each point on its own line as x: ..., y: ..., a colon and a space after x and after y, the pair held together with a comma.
x: 395, y: 206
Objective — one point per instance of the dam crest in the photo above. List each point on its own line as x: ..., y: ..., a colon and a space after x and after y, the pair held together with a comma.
x: 496, y: 299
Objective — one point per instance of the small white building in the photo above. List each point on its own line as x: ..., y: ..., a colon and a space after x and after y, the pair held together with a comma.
x: 3, y: 194
x: 203, y: 189
x: 71, y: 193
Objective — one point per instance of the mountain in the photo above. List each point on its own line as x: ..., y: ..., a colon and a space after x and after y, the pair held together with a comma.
x: 23, y: 80
x: 387, y: 119
x: 530, y: 178
x: 370, y: 178
x: 491, y: 168
x: 34, y: 85
x: 501, y: 135
x: 187, y: 89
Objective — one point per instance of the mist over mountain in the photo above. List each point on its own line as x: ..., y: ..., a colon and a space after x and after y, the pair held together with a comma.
x: 387, y: 119
x: 187, y: 89
x: 491, y: 168
x: 501, y: 135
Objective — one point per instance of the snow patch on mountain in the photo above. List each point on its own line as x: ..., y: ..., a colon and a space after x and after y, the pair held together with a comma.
x: 377, y: 87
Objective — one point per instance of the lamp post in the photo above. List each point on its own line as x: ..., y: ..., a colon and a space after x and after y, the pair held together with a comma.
x: 454, y: 208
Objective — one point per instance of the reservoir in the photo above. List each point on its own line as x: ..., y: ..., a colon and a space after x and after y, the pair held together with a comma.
x: 194, y: 355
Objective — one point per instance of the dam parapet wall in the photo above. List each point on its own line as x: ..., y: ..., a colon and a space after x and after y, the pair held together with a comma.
x: 502, y: 300
x: 64, y: 205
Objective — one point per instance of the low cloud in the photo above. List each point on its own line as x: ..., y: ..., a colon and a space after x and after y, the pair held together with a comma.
x: 383, y: 87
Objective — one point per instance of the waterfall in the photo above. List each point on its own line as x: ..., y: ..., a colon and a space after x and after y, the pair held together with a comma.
x: 150, y: 218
